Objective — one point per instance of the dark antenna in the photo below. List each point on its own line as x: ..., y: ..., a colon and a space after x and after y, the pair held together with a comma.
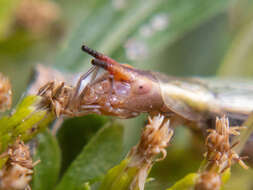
x: 98, y: 55
x: 92, y: 52
x: 99, y: 63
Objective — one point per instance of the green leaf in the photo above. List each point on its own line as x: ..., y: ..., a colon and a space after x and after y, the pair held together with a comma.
x: 81, y: 129
x: 47, y: 171
x: 170, y: 22
x: 226, y: 176
x: 187, y: 183
x: 108, y: 28
x: 120, y: 177
x: 7, y: 8
x: 101, y: 153
x: 238, y: 60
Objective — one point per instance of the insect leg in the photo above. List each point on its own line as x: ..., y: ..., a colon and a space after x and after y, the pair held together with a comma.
x: 75, y: 98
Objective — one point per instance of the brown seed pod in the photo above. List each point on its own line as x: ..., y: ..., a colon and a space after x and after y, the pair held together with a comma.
x: 5, y: 93
x: 56, y: 97
x: 18, y: 169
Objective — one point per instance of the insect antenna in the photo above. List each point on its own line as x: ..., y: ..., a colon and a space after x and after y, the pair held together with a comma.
x: 98, y: 55
x: 99, y: 63
x: 119, y: 71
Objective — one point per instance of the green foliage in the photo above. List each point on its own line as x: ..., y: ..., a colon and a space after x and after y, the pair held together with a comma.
x: 7, y: 8
x: 118, y: 177
x: 187, y: 183
x: 82, y: 129
x: 238, y: 61
x: 46, y: 172
x: 102, y: 152
x: 27, y: 121
x: 182, y: 37
x: 108, y: 28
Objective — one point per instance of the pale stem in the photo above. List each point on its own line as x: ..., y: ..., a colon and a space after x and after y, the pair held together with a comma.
x: 245, y: 134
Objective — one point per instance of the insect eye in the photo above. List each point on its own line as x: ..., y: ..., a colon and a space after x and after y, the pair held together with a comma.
x: 141, y: 88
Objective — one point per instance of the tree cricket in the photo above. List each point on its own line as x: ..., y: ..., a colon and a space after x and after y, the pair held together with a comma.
x: 126, y: 92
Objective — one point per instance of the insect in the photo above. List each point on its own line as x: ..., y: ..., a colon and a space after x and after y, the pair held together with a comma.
x: 125, y: 92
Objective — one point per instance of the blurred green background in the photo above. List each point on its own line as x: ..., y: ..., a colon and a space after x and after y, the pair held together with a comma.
x: 177, y: 37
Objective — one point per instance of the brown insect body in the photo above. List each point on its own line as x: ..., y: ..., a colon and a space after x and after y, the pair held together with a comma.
x: 121, y: 98
x: 126, y: 92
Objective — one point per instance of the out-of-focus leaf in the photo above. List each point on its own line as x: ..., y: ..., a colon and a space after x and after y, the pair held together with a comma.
x: 238, y: 61
x: 76, y: 12
x: 170, y: 22
x: 101, y: 153
x: 226, y: 176
x: 47, y: 171
x: 7, y: 8
x: 240, y: 179
x: 244, y: 136
x: 187, y: 183
x: 109, y: 29
x: 240, y: 14
x: 197, y: 53
x: 75, y: 133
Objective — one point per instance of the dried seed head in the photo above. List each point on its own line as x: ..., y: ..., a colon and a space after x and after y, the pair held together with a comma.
x: 5, y: 93
x: 17, y: 171
x: 219, y: 156
x: 154, y: 139
x: 56, y: 97
x: 19, y: 153
x: 219, y: 151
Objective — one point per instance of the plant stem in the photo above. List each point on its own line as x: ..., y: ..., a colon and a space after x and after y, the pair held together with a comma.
x: 245, y: 134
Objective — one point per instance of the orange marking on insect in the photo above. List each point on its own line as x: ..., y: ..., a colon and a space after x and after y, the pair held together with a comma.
x: 127, y: 65
x: 109, y: 64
